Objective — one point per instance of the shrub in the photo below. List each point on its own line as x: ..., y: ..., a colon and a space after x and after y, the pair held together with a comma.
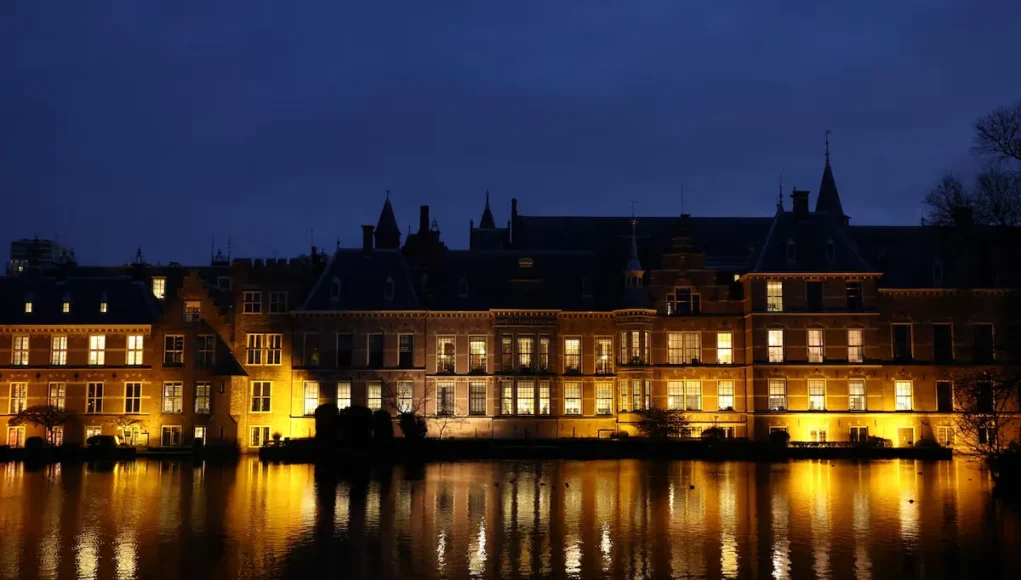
x: 714, y: 434
x: 356, y: 425
x: 413, y: 426
x: 779, y: 439
x: 662, y: 423
x: 620, y: 435
x: 35, y: 443
x: 382, y: 427
x: 326, y: 424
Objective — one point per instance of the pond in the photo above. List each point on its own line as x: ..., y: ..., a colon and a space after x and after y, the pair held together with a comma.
x: 507, y: 519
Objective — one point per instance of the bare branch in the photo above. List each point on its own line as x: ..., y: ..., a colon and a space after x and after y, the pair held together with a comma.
x: 948, y: 203
x: 998, y: 197
x: 999, y: 133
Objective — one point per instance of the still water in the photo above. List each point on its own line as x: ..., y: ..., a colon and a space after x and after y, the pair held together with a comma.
x: 564, y: 519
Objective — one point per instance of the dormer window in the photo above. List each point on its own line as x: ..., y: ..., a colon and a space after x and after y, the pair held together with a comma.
x: 831, y: 251
x: 792, y: 254
x: 388, y: 289
x: 586, y: 287
x: 66, y: 307
x: 159, y: 287
x: 28, y: 306
x: 335, y: 289
x: 102, y: 303
x: 462, y: 287
x: 525, y: 262
x: 937, y: 273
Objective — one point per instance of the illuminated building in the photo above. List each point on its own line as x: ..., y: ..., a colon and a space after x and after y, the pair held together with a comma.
x: 553, y: 327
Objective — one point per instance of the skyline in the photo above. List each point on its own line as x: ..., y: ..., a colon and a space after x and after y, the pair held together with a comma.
x: 261, y: 124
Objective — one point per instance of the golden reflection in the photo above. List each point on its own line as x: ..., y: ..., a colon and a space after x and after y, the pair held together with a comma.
x: 618, y: 519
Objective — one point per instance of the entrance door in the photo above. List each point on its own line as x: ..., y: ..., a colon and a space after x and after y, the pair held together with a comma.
x: 905, y: 436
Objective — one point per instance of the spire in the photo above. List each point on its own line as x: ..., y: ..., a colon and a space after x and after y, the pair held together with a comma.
x: 829, y: 200
x: 779, y: 196
x: 634, y: 266
x: 388, y: 235
x: 487, y: 215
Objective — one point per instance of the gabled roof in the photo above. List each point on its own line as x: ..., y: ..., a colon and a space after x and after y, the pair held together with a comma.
x: 362, y: 277
x: 820, y: 244
x: 127, y: 301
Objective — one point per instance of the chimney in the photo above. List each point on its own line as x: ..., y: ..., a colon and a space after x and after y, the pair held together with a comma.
x: 366, y: 238
x: 423, y: 219
x: 800, y: 202
x: 514, y: 217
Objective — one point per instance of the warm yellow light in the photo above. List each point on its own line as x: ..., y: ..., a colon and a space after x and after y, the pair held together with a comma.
x: 28, y: 308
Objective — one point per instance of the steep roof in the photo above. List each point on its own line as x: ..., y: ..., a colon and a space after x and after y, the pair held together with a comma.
x: 820, y: 244
x: 829, y: 200
x: 388, y: 235
x: 127, y: 301
x: 487, y: 221
x: 362, y: 277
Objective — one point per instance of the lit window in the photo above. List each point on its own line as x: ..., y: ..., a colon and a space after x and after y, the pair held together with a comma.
x: 572, y: 355
x: 526, y: 398
x: 675, y: 395
x: 203, y: 397
x: 132, y: 397
x: 55, y: 395
x: 254, y: 349
x: 343, y: 395
x: 200, y: 433
x: 903, y: 392
x: 544, y: 398
x: 572, y: 398
x: 507, y: 398
x: 445, y: 354
x: 816, y: 395
x: 19, y: 397
x: 777, y: 395
x: 725, y: 395
x: 724, y: 348
x: 604, y: 356
x: 311, y: 396
x: 252, y: 302
x: 477, y: 354
x: 173, y: 394
x: 66, y: 307
x: 526, y: 345
x: 28, y: 307
x: 159, y: 287
x: 856, y: 395
x: 261, y: 396
x: 776, y: 346
x: 58, y: 351
x: 604, y: 398
x: 374, y: 395
x: 815, y: 345
x: 20, y: 351
x: 692, y: 347
x: 97, y: 350
x: 258, y: 436
x: 506, y: 353
x: 622, y: 407
x: 192, y: 311
x: 774, y: 296
x: 477, y: 398
x: 102, y: 307
x: 544, y: 342
x: 692, y: 395
x: 405, y: 395
x: 855, y: 349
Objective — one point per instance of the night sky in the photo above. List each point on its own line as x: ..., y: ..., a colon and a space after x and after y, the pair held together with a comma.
x: 125, y: 124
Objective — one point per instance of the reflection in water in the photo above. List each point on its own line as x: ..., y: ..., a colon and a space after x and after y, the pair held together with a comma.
x: 506, y: 519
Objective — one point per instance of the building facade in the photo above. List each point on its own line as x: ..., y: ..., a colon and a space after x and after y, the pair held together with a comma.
x: 548, y: 327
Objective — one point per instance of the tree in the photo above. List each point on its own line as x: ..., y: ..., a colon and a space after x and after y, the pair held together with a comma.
x: 949, y: 203
x: 413, y: 426
x: 382, y: 427
x: 326, y: 424
x: 355, y: 424
x: 997, y: 197
x: 662, y: 423
x: 998, y: 133
x: 46, y: 416
x: 986, y: 405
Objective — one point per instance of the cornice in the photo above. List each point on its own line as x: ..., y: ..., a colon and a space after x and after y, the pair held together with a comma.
x: 75, y: 328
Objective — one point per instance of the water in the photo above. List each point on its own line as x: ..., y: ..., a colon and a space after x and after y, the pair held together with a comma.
x: 563, y: 519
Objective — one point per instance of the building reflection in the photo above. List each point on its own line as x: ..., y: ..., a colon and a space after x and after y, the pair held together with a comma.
x: 524, y: 519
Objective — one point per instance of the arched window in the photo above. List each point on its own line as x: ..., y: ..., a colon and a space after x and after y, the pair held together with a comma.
x: 388, y: 289
x: 462, y: 287
x: 792, y: 253
x: 831, y: 251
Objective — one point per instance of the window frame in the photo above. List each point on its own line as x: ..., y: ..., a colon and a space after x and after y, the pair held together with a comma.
x: 260, y: 402
x: 159, y: 287
x: 816, y: 399
x: 172, y: 403
x: 816, y: 350
x: 856, y: 348
x: 20, y: 349
x: 132, y: 397
x: 58, y: 350
x: 309, y: 394
x: 852, y: 396
x: 524, y: 355
x: 477, y: 399
x: 573, y: 393
x: 477, y: 360
x: 604, y: 397
x: 775, y: 352
x: 910, y: 355
x: 203, y: 394
x: 904, y: 402
x: 405, y: 396
x: 446, y: 362
x: 725, y: 391
x: 97, y: 350
x: 277, y: 302
x: 251, y: 302
x: 264, y: 435
x: 776, y: 392
x: 58, y: 399
x: 774, y: 295
x: 374, y: 395
x: 173, y: 356
x: 408, y: 361
x: 728, y: 349
x: 568, y: 356
x: 17, y: 403
x: 94, y: 398
x: 343, y: 394
x: 604, y: 355
x: 134, y: 350
x: 545, y: 398
x: 524, y: 397
x: 205, y: 350
x: 192, y: 311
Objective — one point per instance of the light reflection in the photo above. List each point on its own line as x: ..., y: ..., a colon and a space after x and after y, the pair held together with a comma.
x: 728, y: 528
x: 126, y: 556
x: 572, y: 556
x: 441, y: 551
x: 605, y: 545
x: 477, y: 553
x: 860, y: 510
x: 781, y: 543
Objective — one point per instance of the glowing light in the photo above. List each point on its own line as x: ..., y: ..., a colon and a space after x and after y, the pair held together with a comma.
x: 605, y: 545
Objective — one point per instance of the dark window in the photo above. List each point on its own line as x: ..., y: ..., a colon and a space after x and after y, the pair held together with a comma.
x: 406, y: 351
x: 814, y: 295
x: 984, y: 397
x: 983, y: 342
x: 942, y: 343
x: 506, y: 353
x: 684, y: 301
x: 944, y: 397
x: 312, y: 350
x: 376, y: 351
x: 831, y: 252
x: 344, y: 344
x: 854, y: 296
x: 902, y: 342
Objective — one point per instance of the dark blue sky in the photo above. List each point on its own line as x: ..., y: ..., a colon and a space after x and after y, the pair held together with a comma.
x: 125, y: 124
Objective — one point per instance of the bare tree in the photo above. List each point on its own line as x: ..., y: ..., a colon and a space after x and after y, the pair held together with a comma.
x: 999, y: 133
x: 659, y: 423
x: 447, y: 417
x: 46, y: 416
x: 986, y: 406
x: 949, y: 203
x: 404, y: 402
x: 997, y: 197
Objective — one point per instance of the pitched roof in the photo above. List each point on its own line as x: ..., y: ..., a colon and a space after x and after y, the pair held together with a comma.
x: 362, y: 277
x: 487, y: 215
x: 127, y: 301
x: 828, y: 200
x: 820, y: 244
x: 388, y: 235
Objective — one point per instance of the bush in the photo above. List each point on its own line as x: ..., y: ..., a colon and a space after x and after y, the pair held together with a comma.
x: 413, y: 426
x: 35, y: 443
x: 662, y: 423
x: 382, y: 427
x: 714, y: 434
x: 779, y: 439
x: 355, y: 424
x: 620, y: 435
x: 928, y: 444
x: 326, y: 424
